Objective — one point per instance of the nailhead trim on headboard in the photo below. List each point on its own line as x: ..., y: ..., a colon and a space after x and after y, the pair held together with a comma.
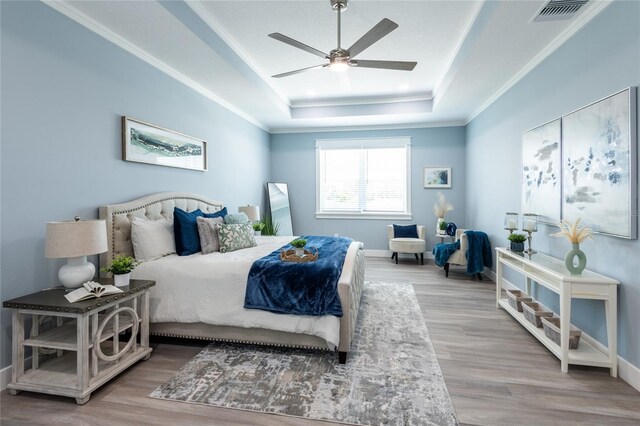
x: 143, y: 203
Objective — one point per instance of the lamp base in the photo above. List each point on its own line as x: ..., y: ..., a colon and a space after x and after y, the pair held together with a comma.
x: 76, y: 272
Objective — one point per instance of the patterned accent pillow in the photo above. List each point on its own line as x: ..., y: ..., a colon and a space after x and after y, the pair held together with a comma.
x: 235, y: 236
x: 236, y: 218
x: 209, y: 234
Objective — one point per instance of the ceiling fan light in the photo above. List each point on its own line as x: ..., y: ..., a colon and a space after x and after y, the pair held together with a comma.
x: 338, y: 66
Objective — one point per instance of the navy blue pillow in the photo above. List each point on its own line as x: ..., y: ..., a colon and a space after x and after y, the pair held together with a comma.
x: 405, y: 231
x: 185, y: 230
x: 451, y: 229
x: 221, y: 213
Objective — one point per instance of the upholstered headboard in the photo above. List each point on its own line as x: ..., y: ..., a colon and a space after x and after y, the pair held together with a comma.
x: 154, y: 206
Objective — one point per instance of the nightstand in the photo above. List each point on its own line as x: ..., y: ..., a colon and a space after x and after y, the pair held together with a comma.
x: 76, y: 347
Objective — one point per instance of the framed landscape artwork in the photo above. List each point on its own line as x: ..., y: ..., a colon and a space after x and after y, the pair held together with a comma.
x: 541, y: 172
x: 599, y: 162
x: 437, y: 177
x: 145, y: 143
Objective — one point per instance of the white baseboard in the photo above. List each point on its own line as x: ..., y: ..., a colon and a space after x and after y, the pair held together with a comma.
x: 626, y: 371
x: 377, y: 253
x: 5, y: 374
x: 5, y: 377
x: 629, y: 373
x: 387, y: 253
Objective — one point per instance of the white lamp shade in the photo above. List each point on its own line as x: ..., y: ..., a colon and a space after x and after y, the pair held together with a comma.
x: 75, y: 238
x: 252, y: 212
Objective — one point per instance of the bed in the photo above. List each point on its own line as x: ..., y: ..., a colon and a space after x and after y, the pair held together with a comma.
x: 201, y: 296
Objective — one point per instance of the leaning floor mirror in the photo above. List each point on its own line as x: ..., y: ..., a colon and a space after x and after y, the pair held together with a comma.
x: 280, y: 209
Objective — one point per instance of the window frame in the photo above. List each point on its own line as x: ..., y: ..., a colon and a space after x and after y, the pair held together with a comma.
x: 365, y: 143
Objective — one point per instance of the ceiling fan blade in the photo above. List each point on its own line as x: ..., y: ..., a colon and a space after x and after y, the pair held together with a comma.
x: 295, y: 43
x: 387, y: 65
x: 285, y: 74
x: 381, y: 29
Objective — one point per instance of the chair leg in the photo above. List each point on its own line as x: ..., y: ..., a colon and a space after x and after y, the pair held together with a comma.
x: 396, y: 258
x: 446, y: 270
x: 417, y: 258
x: 394, y: 254
x: 422, y: 258
x: 479, y: 275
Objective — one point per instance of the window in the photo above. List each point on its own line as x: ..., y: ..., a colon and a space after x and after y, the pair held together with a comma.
x: 363, y: 178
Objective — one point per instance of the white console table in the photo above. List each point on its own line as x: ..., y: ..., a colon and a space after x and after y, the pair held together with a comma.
x: 552, y: 274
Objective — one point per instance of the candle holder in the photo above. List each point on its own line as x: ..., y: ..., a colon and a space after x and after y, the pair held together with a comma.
x: 529, y: 225
x: 510, y: 222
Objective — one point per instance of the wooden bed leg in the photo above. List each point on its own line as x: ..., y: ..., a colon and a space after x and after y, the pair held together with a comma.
x: 342, y: 357
x: 446, y: 270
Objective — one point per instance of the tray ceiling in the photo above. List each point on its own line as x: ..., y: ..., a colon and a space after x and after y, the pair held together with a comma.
x: 468, y: 52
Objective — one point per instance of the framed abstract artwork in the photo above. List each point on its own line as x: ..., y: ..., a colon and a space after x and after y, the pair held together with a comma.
x: 541, y: 172
x: 599, y: 144
x: 145, y: 143
x: 437, y: 177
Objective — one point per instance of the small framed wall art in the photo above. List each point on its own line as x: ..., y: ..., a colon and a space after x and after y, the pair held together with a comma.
x: 146, y: 143
x: 437, y: 177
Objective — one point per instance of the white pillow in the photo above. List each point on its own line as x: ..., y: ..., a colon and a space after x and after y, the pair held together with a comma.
x: 152, y: 239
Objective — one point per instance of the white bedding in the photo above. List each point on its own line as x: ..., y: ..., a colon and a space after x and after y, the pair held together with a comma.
x: 210, y: 289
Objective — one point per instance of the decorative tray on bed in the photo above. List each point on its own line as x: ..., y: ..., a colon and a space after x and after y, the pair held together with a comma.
x: 310, y: 255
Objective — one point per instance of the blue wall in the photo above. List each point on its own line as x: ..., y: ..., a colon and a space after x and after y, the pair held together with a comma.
x: 293, y: 160
x: 64, y: 89
x: 601, y: 59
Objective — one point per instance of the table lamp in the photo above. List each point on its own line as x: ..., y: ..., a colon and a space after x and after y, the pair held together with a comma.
x: 76, y: 240
x: 252, y: 212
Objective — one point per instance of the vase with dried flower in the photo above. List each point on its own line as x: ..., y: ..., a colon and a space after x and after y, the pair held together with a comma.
x: 575, y: 235
x: 440, y: 208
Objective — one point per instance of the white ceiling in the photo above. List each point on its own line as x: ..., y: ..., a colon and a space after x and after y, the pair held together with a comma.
x: 468, y: 53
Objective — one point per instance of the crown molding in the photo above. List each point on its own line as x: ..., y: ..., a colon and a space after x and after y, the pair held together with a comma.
x: 446, y: 76
x: 365, y: 127
x: 579, y: 22
x: 69, y: 11
x: 216, y: 27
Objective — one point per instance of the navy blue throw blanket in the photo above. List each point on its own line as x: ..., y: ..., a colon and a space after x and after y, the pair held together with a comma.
x: 442, y: 251
x: 305, y: 288
x: 479, y: 254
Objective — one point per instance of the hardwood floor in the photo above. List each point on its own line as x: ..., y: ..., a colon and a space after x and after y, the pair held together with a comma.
x: 496, y: 372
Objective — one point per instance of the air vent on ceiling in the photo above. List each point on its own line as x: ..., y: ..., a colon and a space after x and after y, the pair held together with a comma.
x: 557, y: 10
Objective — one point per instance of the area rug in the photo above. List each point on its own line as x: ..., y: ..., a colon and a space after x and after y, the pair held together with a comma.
x: 391, y: 376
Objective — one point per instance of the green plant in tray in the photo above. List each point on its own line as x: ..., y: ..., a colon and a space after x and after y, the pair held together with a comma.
x: 258, y: 226
x: 299, y: 243
x: 121, y: 265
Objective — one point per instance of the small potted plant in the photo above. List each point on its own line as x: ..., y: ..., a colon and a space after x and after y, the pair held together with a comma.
x: 443, y: 227
x: 298, y: 245
x: 517, y: 242
x: 258, y: 227
x: 121, y: 268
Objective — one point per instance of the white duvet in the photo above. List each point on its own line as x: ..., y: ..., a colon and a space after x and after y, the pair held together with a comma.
x: 210, y: 289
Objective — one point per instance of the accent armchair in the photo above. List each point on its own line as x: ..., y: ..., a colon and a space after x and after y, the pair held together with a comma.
x: 408, y: 245
x: 471, y: 249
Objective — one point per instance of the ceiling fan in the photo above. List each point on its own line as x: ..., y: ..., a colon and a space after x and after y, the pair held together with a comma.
x: 341, y: 59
